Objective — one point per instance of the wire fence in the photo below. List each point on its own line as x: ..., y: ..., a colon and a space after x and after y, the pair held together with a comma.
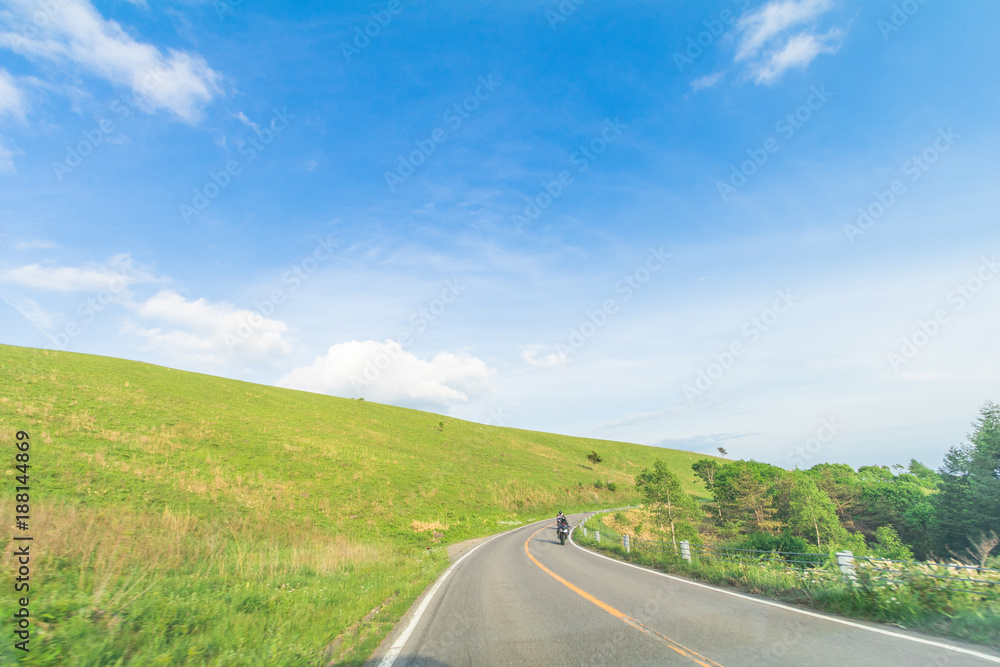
x: 866, y: 570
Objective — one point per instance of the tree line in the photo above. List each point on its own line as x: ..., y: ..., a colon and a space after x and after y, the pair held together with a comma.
x: 900, y: 512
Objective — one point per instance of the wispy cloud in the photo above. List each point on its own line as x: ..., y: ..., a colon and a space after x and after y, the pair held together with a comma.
x: 799, y: 51
x: 529, y: 354
x: 119, y: 269
x: 246, y: 121
x: 782, y: 35
x: 74, y: 33
x: 12, y: 100
x: 707, y: 81
x: 37, y: 245
x: 705, y: 444
x: 31, y: 311
x: 12, y: 104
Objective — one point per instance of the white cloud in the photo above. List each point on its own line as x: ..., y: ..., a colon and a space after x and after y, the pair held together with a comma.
x: 800, y: 51
x: 706, y: 81
x: 30, y: 310
x: 386, y: 373
x: 765, y: 43
x: 529, y: 353
x: 773, y: 19
x: 205, y: 332
x: 37, y: 245
x: 12, y: 100
x: 74, y: 32
x: 119, y: 272
x: 242, y: 117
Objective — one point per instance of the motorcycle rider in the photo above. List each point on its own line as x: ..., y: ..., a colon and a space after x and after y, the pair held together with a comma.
x: 562, y: 526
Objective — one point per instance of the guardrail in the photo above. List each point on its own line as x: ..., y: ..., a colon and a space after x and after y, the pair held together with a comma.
x: 864, y: 570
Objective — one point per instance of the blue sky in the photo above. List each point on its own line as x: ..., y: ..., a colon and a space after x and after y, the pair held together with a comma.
x: 767, y: 226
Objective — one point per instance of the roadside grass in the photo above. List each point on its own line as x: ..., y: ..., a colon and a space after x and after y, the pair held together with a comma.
x: 915, y: 602
x: 184, y: 519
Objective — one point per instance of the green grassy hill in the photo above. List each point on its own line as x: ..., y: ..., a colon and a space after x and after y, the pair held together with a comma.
x: 180, y: 518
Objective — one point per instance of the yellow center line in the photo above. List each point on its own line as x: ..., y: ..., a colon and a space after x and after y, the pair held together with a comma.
x: 676, y: 646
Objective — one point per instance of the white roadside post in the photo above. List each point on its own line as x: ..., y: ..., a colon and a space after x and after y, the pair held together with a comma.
x: 597, y: 536
x: 686, y: 550
x: 845, y: 561
x: 625, y: 544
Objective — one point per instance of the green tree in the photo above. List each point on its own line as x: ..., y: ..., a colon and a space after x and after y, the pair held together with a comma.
x: 899, y: 503
x: 842, y: 485
x: 594, y: 458
x: 875, y: 474
x: 888, y: 544
x: 968, y: 504
x: 984, y: 473
x: 706, y: 469
x: 666, y: 498
x: 928, y: 478
x: 744, y: 493
x: 807, y: 511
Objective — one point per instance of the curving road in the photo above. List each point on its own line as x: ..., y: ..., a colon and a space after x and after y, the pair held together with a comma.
x: 520, y: 598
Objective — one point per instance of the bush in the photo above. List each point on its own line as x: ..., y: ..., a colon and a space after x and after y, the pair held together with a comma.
x: 612, y: 486
x: 890, y: 546
x: 598, y: 484
x: 768, y: 543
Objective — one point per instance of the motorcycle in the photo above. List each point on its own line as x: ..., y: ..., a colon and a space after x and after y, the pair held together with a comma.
x: 562, y: 530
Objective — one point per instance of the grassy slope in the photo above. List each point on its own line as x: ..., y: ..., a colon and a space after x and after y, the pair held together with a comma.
x: 189, y: 519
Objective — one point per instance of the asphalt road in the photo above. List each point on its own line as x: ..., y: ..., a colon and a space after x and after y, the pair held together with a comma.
x: 521, y: 598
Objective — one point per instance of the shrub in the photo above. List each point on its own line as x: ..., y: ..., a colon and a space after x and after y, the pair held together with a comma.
x: 768, y: 543
x: 612, y: 486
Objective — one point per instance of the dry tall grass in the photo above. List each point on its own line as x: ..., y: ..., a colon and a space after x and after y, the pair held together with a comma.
x: 118, y: 554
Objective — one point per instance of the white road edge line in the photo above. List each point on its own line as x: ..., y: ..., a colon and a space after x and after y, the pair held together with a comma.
x: 841, y: 621
x: 397, y: 646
